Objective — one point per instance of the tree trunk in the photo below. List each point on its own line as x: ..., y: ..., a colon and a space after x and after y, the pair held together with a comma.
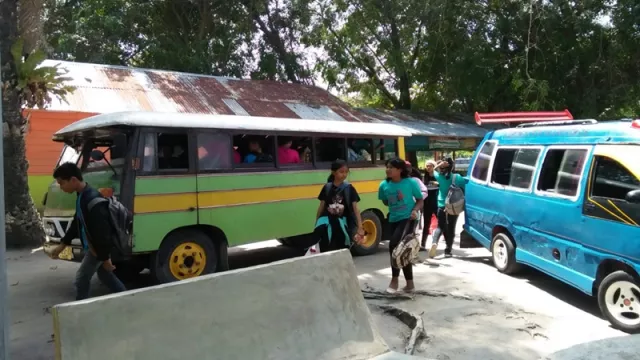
x: 23, y: 226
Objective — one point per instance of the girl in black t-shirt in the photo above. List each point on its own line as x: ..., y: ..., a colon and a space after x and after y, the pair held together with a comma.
x: 338, y: 220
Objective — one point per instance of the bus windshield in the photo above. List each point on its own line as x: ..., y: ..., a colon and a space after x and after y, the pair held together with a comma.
x: 69, y: 154
x: 113, y: 147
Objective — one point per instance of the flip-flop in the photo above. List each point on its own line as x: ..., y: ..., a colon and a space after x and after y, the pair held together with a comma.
x: 391, y: 291
x: 410, y: 291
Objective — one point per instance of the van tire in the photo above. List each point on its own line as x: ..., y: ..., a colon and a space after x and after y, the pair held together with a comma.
x: 373, y: 228
x: 178, y: 247
x: 503, y: 254
x: 613, y: 283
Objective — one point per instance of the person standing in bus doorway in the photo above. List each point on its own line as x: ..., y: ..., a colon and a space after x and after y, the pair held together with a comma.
x: 431, y: 204
x: 444, y: 175
x: 403, y: 197
x: 338, y: 218
x: 94, y: 230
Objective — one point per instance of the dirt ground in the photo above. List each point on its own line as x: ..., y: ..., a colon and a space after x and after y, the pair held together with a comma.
x: 485, y: 315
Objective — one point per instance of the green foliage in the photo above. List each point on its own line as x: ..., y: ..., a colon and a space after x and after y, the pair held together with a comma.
x: 453, y: 55
x: 36, y: 83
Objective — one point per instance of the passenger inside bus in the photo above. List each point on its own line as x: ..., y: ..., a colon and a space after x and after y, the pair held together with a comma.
x: 213, y: 151
x: 256, y: 154
x: 287, y: 155
x: 172, y: 153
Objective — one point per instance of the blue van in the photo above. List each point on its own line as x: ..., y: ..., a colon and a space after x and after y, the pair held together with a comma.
x: 564, y: 198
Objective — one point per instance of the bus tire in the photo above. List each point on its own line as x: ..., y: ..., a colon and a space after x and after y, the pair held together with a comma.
x: 184, y: 254
x: 373, y: 235
x: 618, y: 299
x: 503, y: 254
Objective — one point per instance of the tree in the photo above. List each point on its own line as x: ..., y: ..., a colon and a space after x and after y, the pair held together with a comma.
x: 24, y: 83
x: 281, y: 27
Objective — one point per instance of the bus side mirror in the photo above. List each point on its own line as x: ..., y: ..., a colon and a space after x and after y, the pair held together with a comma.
x: 97, y: 155
x: 633, y: 196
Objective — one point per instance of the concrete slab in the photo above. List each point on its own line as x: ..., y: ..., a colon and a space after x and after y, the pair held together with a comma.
x: 303, y: 308
x: 616, y: 348
x: 397, y: 356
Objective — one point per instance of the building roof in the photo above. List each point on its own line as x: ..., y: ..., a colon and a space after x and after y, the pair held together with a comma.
x: 108, y: 88
x: 428, y: 123
x: 230, y: 122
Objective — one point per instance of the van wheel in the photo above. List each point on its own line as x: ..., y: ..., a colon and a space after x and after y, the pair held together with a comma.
x: 503, y: 254
x: 184, y: 254
x: 619, y: 301
x: 372, y: 235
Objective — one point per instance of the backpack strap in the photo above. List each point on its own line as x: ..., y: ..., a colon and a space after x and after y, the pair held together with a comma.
x: 327, y: 189
x: 96, y: 200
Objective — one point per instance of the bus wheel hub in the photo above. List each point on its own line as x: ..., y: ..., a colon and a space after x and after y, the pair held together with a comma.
x: 187, y: 260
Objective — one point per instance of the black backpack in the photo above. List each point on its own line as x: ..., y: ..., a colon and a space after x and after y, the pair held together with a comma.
x: 345, y: 190
x: 120, y: 218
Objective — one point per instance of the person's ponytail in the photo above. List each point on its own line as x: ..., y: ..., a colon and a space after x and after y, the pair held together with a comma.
x: 331, y: 178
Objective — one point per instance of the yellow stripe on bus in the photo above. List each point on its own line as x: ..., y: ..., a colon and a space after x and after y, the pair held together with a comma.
x: 211, y: 199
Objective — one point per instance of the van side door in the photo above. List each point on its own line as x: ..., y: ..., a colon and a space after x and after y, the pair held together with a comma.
x: 613, y: 223
x: 555, y: 233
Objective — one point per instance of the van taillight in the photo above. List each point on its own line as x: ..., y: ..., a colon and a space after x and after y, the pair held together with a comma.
x: 635, y: 124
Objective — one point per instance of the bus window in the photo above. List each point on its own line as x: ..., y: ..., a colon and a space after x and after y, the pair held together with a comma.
x: 385, y: 150
x: 254, y: 150
x: 293, y: 150
x: 149, y: 156
x: 359, y: 150
x: 214, y: 151
x: 561, y: 171
x: 330, y: 149
x: 173, y: 152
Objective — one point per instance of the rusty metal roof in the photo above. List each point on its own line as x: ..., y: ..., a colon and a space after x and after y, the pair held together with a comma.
x: 427, y: 123
x: 108, y: 88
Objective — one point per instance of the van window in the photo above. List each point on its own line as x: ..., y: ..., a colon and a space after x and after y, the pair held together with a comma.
x: 481, y: 166
x: 173, y: 152
x: 214, y: 151
x: 561, y: 171
x: 514, y: 167
x: 612, y: 180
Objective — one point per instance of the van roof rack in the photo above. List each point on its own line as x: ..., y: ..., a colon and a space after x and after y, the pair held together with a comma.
x: 559, y: 123
x: 522, y: 117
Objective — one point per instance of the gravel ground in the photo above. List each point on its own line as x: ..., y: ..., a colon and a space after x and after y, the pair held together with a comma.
x: 484, y: 315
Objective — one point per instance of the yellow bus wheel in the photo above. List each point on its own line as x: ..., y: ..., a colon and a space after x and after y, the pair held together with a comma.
x: 372, y: 235
x: 185, y: 254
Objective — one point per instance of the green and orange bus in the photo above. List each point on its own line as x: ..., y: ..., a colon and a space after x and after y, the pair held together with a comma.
x: 193, y: 192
